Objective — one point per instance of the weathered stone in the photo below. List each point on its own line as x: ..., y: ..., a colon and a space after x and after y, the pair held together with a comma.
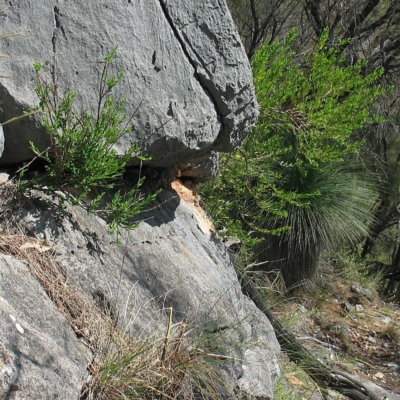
x: 190, y: 94
x: 187, y: 78
x: 173, y: 259
x: 1, y: 140
x: 40, y: 357
x: 362, y: 292
x: 4, y: 177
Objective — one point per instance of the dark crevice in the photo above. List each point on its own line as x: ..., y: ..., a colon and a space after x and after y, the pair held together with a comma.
x: 57, y: 18
x: 201, y: 79
x: 58, y: 27
x: 178, y: 36
x: 54, y: 43
x: 54, y: 40
x: 105, y: 305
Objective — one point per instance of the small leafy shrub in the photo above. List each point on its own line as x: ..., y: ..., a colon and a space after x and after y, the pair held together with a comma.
x: 291, y: 190
x: 81, y: 159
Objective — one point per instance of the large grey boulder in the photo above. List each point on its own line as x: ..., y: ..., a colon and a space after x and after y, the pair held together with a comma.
x: 40, y: 357
x: 187, y: 78
x: 1, y: 140
x: 173, y: 259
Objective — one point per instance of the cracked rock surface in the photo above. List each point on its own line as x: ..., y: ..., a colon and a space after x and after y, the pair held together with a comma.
x: 187, y: 78
x: 40, y: 357
x: 171, y: 260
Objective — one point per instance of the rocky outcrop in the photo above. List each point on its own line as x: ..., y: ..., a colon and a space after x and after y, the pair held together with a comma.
x: 173, y: 259
x: 1, y: 140
x: 187, y: 79
x: 64, y: 280
x: 40, y: 357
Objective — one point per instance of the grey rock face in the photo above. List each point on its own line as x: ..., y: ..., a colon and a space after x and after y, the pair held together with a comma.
x: 40, y: 357
x: 187, y: 79
x: 358, y: 290
x: 1, y: 140
x: 171, y: 260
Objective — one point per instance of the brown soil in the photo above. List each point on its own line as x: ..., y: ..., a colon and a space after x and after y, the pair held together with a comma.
x: 360, y: 334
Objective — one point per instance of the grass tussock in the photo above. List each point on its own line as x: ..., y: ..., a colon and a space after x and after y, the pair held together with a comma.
x: 153, y: 368
x: 295, y: 384
x: 174, y: 364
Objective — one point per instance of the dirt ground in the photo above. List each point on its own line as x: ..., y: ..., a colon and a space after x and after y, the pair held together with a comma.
x: 348, y: 326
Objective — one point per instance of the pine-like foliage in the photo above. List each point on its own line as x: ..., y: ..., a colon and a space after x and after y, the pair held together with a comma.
x: 81, y: 160
x: 288, y: 189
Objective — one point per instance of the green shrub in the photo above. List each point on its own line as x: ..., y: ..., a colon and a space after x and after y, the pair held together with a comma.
x: 81, y: 159
x: 290, y: 185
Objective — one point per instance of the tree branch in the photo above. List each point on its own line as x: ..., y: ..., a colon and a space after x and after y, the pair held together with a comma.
x: 313, y: 12
x: 360, y: 18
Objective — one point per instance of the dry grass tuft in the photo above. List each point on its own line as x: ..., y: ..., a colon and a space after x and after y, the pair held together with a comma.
x: 155, y: 368
x: 80, y: 312
x: 391, y: 331
x: 171, y: 365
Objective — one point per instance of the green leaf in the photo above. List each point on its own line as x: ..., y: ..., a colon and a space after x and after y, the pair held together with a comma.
x: 82, y: 156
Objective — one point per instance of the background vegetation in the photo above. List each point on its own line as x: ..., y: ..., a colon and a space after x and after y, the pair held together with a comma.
x: 320, y: 170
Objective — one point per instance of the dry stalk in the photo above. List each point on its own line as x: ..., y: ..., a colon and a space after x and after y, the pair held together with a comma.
x: 165, y: 366
x: 78, y: 310
x: 162, y: 367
